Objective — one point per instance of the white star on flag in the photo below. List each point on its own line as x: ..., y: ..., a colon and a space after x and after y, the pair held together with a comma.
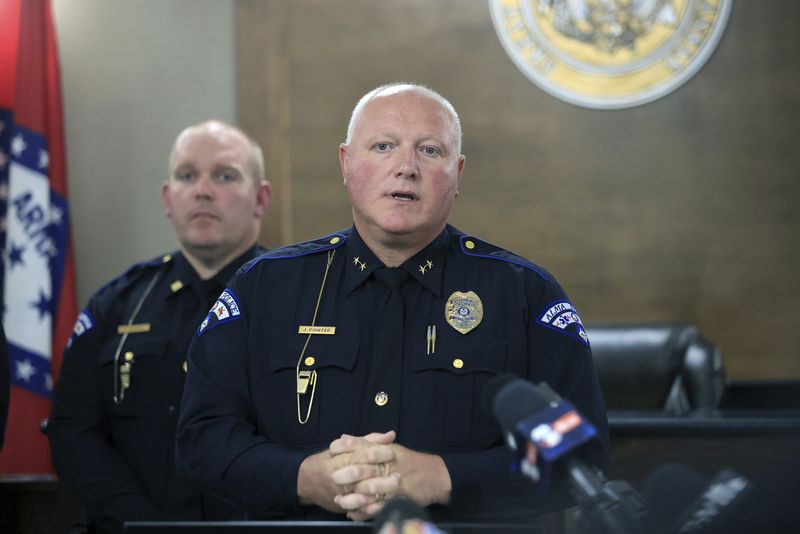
x: 56, y: 214
x: 18, y: 145
x: 44, y: 159
x: 25, y: 370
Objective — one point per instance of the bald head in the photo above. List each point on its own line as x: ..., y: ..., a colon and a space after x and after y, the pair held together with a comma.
x: 221, y: 131
x: 397, y: 88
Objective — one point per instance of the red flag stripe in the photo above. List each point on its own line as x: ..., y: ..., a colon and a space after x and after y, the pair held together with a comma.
x: 36, y: 103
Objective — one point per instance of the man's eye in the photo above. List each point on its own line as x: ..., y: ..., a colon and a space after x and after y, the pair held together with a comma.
x: 226, y: 176
x: 382, y: 147
x: 185, y: 176
x: 431, y: 151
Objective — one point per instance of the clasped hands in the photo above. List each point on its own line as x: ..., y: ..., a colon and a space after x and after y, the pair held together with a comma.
x: 357, y: 474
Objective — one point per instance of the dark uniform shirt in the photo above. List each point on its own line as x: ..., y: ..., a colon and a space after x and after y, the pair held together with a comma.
x: 239, y: 427
x: 118, y: 456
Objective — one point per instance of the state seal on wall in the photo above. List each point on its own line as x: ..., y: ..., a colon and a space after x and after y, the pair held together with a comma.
x: 609, y: 54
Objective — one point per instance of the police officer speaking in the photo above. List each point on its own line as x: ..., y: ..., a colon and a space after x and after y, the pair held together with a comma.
x: 334, y: 374
x: 116, y: 404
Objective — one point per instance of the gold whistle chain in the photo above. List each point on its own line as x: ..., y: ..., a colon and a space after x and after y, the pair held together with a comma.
x: 313, y: 380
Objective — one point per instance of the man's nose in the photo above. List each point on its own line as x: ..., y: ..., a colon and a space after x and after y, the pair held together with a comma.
x: 203, y: 187
x: 407, y: 166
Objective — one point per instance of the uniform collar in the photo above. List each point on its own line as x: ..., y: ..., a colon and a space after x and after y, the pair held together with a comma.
x: 427, y: 266
x: 182, y: 275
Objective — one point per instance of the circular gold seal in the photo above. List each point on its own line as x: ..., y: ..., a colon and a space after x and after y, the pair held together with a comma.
x: 609, y: 54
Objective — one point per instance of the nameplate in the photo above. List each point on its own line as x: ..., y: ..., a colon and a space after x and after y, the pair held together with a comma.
x: 139, y: 328
x: 322, y: 330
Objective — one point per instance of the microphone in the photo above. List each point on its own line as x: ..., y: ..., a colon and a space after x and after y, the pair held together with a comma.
x: 688, y: 504
x: 541, y: 428
x: 401, y: 515
x: 537, y: 423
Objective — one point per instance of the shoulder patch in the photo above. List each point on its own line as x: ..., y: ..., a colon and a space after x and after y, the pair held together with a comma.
x: 562, y: 317
x: 83, y: 324
x: 315, y: 246
x: 472, y: 246
x: 224, y: 310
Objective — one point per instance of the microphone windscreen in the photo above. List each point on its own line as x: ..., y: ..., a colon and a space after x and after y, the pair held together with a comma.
x: 511, y: 399
x: 398, y: 510
x: 670, y: 489
x: 491, y: 389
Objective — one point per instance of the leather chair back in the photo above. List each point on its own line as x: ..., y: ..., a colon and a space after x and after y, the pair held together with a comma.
x: 656, y: 366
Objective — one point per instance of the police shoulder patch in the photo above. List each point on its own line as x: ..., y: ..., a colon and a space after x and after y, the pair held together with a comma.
x: 83, y: 324
x: 224, y: 310
x: 562, y: 317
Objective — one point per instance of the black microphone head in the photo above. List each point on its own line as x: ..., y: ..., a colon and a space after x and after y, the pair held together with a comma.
x: 491, y: 389
x: 510, y: 399
x: 398, y: 510
x: 670, y: 489
x: 689, y: 503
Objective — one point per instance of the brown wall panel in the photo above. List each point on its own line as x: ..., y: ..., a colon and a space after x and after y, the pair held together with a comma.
x: 684, y: 209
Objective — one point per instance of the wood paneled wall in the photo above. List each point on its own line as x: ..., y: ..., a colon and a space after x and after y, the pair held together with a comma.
x: 684, y: 209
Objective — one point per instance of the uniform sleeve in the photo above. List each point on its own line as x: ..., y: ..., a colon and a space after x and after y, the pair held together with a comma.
x: 79, y: 434
x: 217, y: 439
x: 561, y: 355
x: 487, y: 484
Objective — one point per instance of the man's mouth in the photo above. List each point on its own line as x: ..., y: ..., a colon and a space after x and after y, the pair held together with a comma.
x: 403, y: 195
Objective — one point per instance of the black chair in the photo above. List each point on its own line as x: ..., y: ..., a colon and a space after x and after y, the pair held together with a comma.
x: 666, y: 367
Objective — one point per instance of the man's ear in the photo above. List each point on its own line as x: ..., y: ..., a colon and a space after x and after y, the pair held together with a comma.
x: 165, y: 201
x: 344, y: 161
x: 263, y: 198
x: 461, y: 160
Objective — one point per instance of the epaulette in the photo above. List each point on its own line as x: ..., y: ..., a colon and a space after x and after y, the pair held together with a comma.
x: 315, y: 246
x: 477, y: 248
x: 134, y: 271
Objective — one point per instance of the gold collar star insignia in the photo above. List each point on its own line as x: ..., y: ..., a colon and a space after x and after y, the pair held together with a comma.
x: 426, y: 267
x: 358, y: 263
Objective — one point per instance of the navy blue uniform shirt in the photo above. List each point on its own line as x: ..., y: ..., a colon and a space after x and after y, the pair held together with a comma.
x: 239, y: 427
x: 118, y: 457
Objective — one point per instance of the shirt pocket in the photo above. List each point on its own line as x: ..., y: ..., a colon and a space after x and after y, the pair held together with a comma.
x: 145, y: 371
x: 327, y: 407
x: 458, y: 371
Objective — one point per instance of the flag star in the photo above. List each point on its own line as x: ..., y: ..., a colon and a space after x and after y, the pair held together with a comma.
x: 18, y: 146
x: 43, y: 305
x: 25, y: 370
x: 15, y: 255
x: 44, y: 159
x: 3, y: 159
x: 56, y: 215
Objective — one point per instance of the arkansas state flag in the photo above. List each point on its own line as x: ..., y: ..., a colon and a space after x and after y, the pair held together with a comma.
x: 38, y: 281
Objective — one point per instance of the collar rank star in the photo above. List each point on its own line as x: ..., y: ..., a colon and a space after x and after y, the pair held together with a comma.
x: 463, y: 311
x: 358, y: 263
x: 425, y: 267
